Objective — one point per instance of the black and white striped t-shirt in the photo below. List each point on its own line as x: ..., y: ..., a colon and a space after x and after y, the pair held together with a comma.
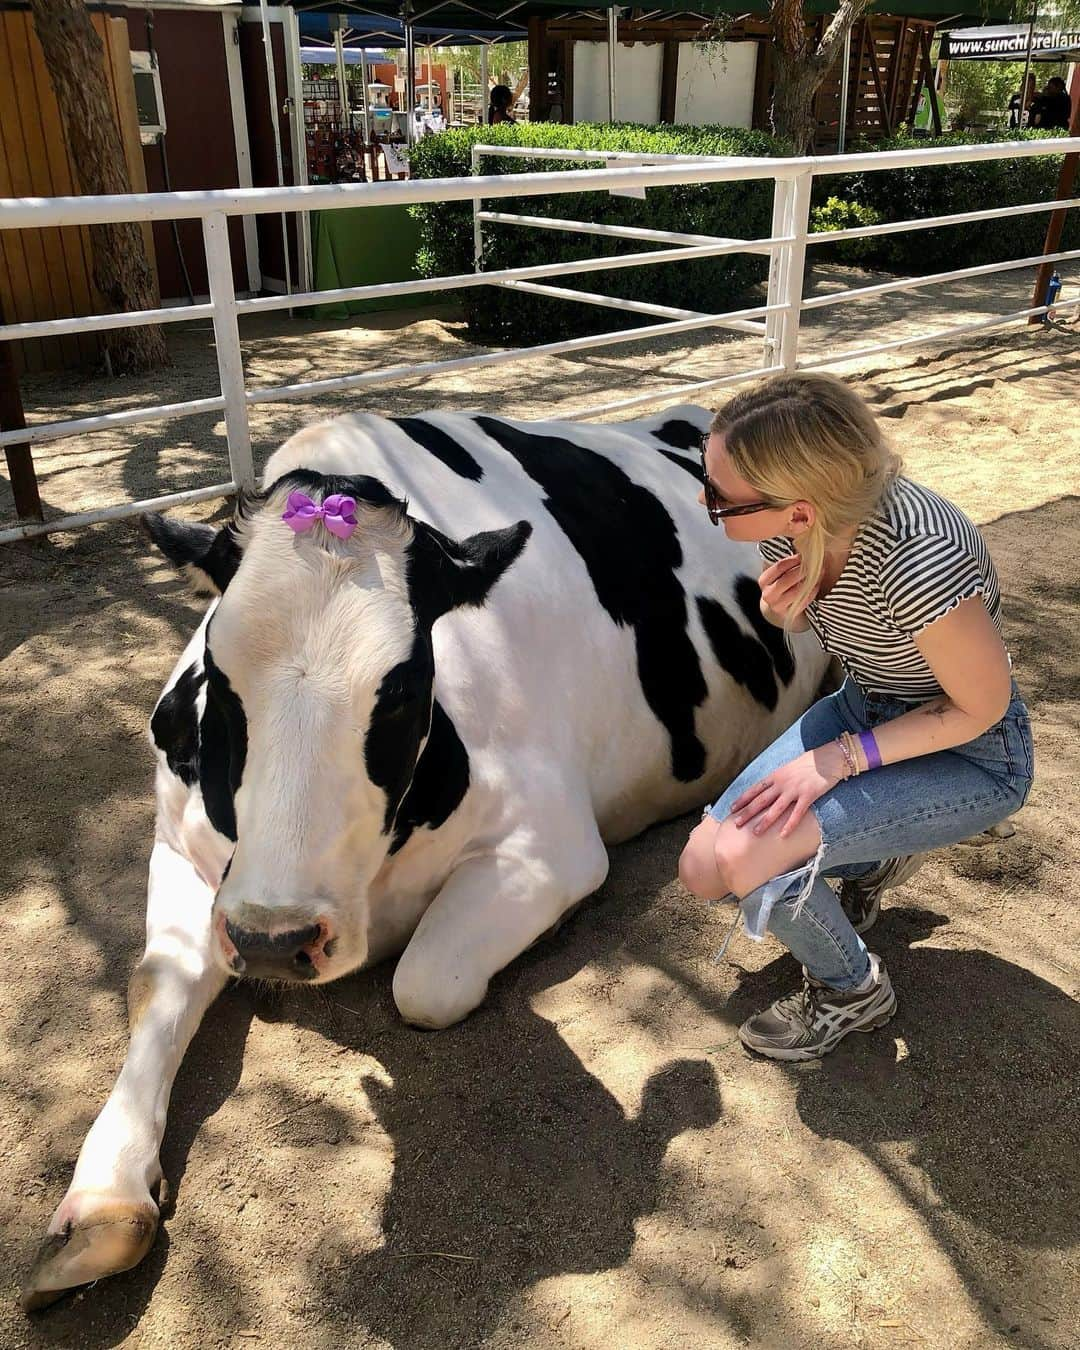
x: 913, y: 560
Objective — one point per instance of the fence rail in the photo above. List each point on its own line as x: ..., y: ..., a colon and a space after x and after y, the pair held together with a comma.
x: 776, y: 323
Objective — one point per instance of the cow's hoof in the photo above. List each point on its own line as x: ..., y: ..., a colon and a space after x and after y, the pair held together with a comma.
x: 113, y: 1237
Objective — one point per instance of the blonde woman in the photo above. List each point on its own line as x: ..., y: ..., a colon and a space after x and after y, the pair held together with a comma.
x: 927, y: 742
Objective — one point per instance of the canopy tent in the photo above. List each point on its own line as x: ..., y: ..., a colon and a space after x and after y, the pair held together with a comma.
x: 352, y: 56
x: 463, y: 16
x: 460, y: 20
x: 1009, y: 42
x: 366, y: 28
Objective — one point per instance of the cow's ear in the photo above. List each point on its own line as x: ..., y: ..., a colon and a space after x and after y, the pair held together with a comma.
x: 445, y: 573
x: 208, y: 557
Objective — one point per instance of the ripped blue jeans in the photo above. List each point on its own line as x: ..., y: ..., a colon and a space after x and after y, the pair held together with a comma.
x: 899, y: 809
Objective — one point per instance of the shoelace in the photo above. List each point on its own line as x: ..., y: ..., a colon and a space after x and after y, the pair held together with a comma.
x: 803, y: 1004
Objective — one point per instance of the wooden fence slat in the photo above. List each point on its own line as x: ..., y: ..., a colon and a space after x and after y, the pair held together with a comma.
x: 57, y: 295
x: 14, y: 243
x: 49, y: 273
x: 64, y: 183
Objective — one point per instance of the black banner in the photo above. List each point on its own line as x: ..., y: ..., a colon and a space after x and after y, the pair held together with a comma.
x: 1008, y: 43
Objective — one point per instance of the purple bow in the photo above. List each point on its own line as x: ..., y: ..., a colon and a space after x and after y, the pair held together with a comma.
x: 337, y: 513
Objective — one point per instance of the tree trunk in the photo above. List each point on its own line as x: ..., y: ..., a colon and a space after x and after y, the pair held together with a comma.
x: 801, y: 64
x: 75, y: 59
x: 797, y: 81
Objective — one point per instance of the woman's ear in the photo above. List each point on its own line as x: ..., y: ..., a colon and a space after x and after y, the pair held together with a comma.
x: 801, y: 517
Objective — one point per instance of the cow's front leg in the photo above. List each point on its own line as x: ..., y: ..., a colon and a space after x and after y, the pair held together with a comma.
x: 491, y: 909
x: 107, y: 1220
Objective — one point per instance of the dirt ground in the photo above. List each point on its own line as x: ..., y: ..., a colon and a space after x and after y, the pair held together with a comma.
x: 591, y: 1159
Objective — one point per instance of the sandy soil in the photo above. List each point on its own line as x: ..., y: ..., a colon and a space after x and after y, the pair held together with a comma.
x: 590, y: 1159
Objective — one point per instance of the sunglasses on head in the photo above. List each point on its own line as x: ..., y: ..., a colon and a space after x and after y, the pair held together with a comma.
x: 718, y: 506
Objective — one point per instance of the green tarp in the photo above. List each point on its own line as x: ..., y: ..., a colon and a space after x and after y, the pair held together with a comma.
x: 363, y: 246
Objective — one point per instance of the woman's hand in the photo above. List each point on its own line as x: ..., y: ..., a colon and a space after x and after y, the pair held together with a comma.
x: 780, y: 583
x: 792, y: 787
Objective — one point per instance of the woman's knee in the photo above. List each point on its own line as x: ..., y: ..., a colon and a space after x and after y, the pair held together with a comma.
x: 699, y: 871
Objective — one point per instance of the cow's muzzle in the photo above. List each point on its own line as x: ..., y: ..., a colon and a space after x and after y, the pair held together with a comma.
x: 276, y: 953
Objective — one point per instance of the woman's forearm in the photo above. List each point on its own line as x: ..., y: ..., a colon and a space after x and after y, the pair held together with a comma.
x: 936, y: 725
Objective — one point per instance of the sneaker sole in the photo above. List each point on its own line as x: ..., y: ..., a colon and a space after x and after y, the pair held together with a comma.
x: 801, y: 1053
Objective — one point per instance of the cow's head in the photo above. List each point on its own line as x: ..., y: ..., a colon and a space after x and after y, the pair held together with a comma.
x: 319, y: 673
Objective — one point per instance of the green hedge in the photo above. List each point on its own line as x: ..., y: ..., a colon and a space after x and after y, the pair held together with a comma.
x: 946, y: 190
x: 742, y: 210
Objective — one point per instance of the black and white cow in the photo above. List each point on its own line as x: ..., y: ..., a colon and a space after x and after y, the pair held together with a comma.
x: 420, y: 739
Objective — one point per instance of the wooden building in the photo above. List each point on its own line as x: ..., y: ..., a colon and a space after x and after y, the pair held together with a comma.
x: 189, y: 86
x: 47, y: 274
x: 675, y: 68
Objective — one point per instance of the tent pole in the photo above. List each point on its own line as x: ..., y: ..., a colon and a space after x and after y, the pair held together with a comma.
x: 343, y: 92
x: 271, y: 93
x: 845, y: 80
x: 612, y: 47
x: 485, y: 81
x: 365, y: 95
x: 430, y: 90
x: 1027, y: 60
x: 410, y: 72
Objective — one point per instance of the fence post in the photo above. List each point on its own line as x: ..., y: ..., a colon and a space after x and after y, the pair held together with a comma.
x: 778, y: 258
x: 227, y: 343
x: 799, y: 226
x: 477, y: 224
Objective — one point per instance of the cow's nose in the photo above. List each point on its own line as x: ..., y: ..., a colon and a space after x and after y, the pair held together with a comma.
x: 289, y: 955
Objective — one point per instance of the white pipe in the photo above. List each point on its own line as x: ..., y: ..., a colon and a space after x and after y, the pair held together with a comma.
x: 546, y: 152
x: 38, y: 213
x: 271, y: 91
x: 936, y: 279
x: 633, y: 306
x: 129, y: 417
x: 343, y: 92
x: 91, y: 323
x: 612, y: 50
x: 462, y: 281
x: 485, y: 82
x: 81, y: 518
x: 611, y: 231
x: 415, y: 370
x: 845, y: 79
x: 978, y: 326
x: 794, y: 271
x: 230, y: 359
x: 662, y: 395
x: 294, y: 80
x: 607, y: 301
x: 477, y: 227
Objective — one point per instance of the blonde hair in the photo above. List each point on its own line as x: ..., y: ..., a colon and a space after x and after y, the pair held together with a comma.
x: 809, y: 437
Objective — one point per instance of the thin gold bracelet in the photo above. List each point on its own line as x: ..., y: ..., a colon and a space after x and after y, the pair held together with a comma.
x: 852, y: 747
x: 848, y: 761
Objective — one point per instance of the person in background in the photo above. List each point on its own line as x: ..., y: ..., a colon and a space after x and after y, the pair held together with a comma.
x: 1020, y: 103
x: 1053, y: 107
x: 502, y: 96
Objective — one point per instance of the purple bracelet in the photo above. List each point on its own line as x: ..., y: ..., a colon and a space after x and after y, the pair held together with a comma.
x: 870, y: 749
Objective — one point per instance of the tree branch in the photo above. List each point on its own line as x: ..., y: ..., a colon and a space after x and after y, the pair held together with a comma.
x: 848, y: 13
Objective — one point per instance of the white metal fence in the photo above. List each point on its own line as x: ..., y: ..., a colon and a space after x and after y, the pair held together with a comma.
x: 776, y: 322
